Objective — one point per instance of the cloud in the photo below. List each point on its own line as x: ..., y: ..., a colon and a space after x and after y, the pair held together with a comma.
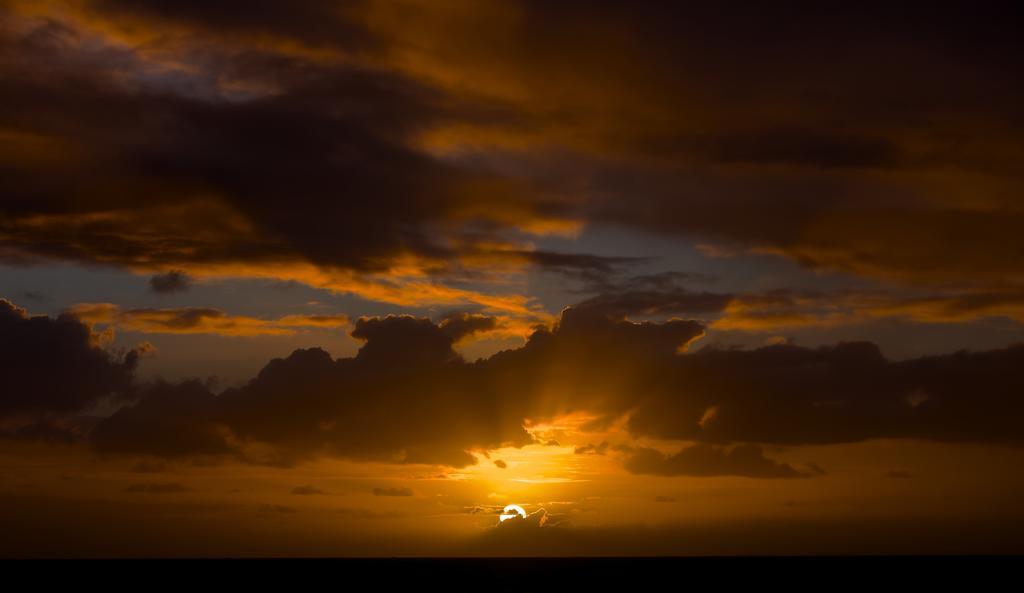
x: 373, y: 406
x: 47, y: 427
x: 398, y: 491
x: 55, y: 365
x: 665, y: 282
x: 144, y: 467
x: 592, y: 449
x: 169, y: 420
x: 199, y: 320
x: 215, y: 135
x: 873, y: 194
x: 276, y: 509
x: 535, y: 520
x: 316, y: 21
x: 789, y: 395
x: 463, y: 325
x: 407, y: 339
x: 677, y: 301
x: 170, y: 282
x: 592, y: 270
x: 756, y: 312
x: 702, y: 460
x: 897, y: 474
x: 788, y: 308
x: 501, y: 464
x: 267, y: 155
x: 807, y: 147
x: 370, y: 407
x: 307, y: 490
x: 156, y: 488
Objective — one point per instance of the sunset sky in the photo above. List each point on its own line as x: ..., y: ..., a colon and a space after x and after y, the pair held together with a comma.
x: 346, y: 278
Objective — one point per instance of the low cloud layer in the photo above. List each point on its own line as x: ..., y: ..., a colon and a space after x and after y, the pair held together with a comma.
x: 408, y: 397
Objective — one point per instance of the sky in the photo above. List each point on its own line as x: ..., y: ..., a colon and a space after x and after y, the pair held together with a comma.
x: 349, y: 278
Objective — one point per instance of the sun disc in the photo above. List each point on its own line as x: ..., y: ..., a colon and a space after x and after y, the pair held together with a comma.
x: 511, y: 512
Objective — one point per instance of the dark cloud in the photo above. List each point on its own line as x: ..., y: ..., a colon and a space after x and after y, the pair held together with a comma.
x: 855, y: 140
x: 170, y: 282
x: 592, y: 270
x: 462, y: 325
x: 897, y: 474
x: 677, y: 301
x: 170, y: 420
x: 411, y: 340
x: 408, y: 397
x: 320, y: 22
x: 328, y: 139
x: 666, y: 282
x: 814, y: 148
x: 374, y: 406
x: 787, y: 394
x: 579, y: 261
x: 589, y: 361
x: 746, y: 461
x: 801, y: 149
x: 54, y: 365
x: 52, y: 429
x: 501, y: 464
x: 397, y: 491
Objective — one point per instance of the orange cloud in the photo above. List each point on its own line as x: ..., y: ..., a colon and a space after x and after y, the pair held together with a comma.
x: 199, y: 321
x: 785, y: 309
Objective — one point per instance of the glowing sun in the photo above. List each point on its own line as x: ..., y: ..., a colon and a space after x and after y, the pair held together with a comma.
x: 511, y: 512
